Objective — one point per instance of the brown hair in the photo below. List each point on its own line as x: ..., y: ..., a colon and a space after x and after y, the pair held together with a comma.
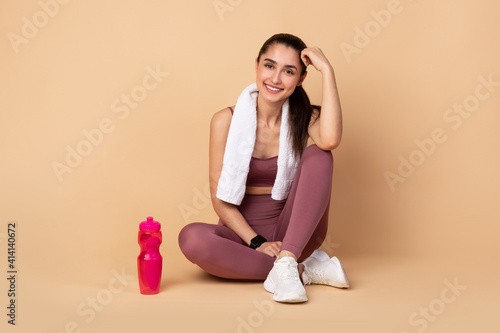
x: 300, y: 110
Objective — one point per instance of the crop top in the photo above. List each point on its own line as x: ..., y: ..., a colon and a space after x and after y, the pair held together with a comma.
x: 262, y: 171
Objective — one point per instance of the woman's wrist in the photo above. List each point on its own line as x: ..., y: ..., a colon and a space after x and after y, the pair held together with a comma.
x: 257, y: 241
x: 328, y: 70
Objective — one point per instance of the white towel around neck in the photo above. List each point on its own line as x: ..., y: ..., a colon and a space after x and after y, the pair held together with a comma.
x: 239, y: 149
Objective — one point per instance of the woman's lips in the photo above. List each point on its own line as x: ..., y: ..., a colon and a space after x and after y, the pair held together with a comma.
x: 272, y: 90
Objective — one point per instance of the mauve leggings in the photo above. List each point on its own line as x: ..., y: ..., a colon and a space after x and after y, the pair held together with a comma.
x: 300, y: 222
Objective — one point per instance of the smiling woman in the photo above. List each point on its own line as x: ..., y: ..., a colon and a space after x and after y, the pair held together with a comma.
x: 272, y: 228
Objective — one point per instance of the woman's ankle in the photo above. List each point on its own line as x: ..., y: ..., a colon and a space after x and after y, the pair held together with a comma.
x: 285, y: 253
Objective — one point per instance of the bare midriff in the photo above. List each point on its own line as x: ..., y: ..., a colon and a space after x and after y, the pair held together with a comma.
x: 258, y: 190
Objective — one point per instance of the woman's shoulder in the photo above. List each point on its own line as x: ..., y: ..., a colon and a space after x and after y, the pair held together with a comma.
x: 222, y: 118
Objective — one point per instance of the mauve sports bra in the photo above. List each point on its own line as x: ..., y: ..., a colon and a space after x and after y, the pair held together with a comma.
x: 262, y: 171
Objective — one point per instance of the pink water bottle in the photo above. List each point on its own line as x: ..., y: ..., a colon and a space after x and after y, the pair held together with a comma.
x: 149, y: 261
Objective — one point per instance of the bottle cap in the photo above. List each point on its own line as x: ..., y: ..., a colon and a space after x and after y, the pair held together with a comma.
x: 150, y: 224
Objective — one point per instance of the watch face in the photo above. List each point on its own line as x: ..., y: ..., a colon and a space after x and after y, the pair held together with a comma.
x: 257, y: 241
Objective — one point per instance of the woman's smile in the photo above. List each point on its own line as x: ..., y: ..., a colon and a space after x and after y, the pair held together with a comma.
x: 272, y: 89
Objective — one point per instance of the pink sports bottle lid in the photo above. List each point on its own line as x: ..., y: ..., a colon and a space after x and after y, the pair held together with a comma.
x: 150, y: 224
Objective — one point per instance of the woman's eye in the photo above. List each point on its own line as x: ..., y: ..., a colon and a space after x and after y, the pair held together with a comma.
x: 268, y: 65
x: 289, y: 72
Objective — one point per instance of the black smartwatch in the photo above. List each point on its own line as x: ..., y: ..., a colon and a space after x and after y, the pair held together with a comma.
x: 257, y: 241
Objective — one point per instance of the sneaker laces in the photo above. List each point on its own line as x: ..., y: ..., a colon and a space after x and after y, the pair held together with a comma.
x: 289, y: 272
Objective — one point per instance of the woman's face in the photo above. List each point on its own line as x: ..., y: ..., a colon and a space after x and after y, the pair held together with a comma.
x: 278, y: 73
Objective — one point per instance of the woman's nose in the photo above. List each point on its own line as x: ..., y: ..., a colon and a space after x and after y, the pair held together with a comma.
x: 276, y: 79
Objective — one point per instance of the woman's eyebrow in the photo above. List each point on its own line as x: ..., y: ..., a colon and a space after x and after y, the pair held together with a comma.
x: 274, y: 62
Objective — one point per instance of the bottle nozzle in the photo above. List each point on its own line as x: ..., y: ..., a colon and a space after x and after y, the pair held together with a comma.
x: 150, y: 224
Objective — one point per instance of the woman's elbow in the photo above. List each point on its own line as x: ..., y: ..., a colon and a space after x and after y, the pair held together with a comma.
x: 220, y: 206
x: 329, y: 144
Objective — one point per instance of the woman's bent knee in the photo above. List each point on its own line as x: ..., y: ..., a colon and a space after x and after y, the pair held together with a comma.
x: 191, y: 240
x: 315, y: 154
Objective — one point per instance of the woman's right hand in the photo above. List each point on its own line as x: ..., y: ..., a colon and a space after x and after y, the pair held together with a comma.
x: 270, y: 248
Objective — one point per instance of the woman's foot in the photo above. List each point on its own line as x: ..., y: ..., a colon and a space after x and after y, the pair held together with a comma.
x: 319, y: 268
x: 283, y: 280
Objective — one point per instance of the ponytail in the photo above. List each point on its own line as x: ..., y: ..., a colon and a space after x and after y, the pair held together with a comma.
x: 300, y: 111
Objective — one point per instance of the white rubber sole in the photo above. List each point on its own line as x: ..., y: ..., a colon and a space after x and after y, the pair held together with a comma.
x: 269, y: 285
x: 287, y: 298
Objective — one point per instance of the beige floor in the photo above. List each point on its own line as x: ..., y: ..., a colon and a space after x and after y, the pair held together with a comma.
x: 62, y: 75
x: 388, y: 294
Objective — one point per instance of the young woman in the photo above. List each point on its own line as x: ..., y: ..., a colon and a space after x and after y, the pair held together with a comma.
x: 266, y: 236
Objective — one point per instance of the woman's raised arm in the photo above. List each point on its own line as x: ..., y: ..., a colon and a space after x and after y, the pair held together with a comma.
x: 325, y: 130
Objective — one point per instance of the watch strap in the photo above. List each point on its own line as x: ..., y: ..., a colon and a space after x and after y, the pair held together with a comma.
x: 257, y: 241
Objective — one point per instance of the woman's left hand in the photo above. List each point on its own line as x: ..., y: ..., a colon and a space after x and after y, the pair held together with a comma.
x: 272, y: 249
x: 314, y: 56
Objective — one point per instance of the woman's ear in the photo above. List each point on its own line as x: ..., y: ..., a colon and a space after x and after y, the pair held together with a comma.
x: 302, y: 79
x: 256, y: 63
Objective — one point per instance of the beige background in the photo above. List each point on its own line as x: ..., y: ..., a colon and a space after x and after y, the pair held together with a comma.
x: 401, y: 246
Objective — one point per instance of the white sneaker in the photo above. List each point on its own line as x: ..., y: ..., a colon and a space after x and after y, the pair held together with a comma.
x: 283, y: 280
x: 319, y: 268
